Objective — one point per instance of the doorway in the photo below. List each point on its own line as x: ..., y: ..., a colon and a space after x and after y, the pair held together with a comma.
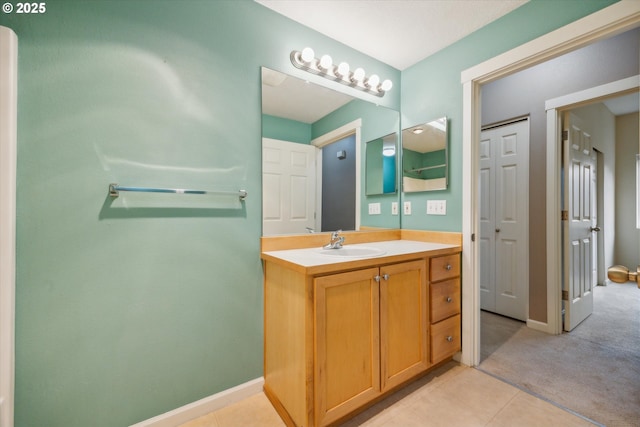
x: 612, y: 20
x: 339, y: 185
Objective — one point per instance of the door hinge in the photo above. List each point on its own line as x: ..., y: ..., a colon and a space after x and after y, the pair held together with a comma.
x: 565, y: 295
x: 565, y: 135
x: 564, y: 215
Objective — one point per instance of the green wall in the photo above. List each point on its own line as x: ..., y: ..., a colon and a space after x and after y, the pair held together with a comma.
x: 130, y: 308
x: 285, y: 129
x: 432, y: 89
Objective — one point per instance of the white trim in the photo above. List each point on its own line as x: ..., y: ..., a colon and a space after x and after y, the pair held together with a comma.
x: 554, y: 232
x: 538, y: 326
x: 617, y: 18
x: 471, y: 293
x: 204, y: 406
x: 8, y: 156
x: 334, y: 135
x: 619, y: 87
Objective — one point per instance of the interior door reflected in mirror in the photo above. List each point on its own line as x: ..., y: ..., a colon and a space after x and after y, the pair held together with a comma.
x: 425, y: 164
x: 380, y: 166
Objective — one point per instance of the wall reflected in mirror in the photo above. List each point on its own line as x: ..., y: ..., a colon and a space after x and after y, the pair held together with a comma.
x: 425, y: 164
x: 313, y: 157
x: 380, y: 167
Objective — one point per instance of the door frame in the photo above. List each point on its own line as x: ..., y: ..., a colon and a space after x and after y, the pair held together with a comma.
x: 343, y: 131
x: 8, y: 156
x: 555, y: 107
x: 612, y: 20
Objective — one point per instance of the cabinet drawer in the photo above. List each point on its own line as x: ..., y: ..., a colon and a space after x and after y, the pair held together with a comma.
x: 445, y: 339
x: 444, y: 299
x: 444, y: 267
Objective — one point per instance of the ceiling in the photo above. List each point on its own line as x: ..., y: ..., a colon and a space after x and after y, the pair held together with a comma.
x: 379, y: 27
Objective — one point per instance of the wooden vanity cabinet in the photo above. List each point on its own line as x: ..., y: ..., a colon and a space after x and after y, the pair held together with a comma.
x: 336, y: 341
x: 444, y: 312
x: 371, y: 335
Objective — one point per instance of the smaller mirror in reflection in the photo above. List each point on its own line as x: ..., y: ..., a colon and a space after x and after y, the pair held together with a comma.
x: 380, y: 167
x: 424, y: 156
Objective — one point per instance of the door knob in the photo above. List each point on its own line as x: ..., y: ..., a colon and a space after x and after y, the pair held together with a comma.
x: 497, y: 230
x: 596, y: 229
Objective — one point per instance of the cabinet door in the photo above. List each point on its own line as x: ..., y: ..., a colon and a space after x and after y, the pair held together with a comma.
x: 403, y: 322
x: 347, y: 370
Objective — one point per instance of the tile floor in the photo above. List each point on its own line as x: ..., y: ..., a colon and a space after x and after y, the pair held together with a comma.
x: 451, y: 395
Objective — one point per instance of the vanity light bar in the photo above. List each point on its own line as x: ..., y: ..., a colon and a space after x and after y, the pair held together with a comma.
x: 306, y: 60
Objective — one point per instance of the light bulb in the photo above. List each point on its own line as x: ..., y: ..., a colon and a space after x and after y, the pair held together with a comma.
x: 373, y: 81
x: 307, y: 55
x: 386, y: 85
x: 343, y: 69
x: 325, y: 62
x: 358, y: 75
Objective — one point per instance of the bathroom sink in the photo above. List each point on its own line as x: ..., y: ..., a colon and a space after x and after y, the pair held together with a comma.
x: 352, y: 252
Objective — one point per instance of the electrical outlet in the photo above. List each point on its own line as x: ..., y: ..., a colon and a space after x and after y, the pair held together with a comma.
x: 374, y: 209
x: 394, y: 208
x: 407, y: 208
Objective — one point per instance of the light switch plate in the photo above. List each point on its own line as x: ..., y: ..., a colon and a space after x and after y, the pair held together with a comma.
x: 374, y: 209
x: 436, y: 207
x: 394, y: 208
x: 407, y: 208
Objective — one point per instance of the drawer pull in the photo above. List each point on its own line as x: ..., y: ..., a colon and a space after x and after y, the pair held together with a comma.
x: 449, y: 338
x: 448, y: 267
x: 449, y: 299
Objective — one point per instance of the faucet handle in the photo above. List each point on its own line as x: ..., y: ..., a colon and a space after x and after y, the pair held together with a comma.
x: 335, y: 234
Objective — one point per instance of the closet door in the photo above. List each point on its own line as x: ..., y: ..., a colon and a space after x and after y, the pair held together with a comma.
x: 504, y: 239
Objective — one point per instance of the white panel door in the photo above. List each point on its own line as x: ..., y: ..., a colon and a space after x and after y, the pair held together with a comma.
x: 578, y: 202
x: 487, y: 238
x: 288, y: 187
x: 504, y: 243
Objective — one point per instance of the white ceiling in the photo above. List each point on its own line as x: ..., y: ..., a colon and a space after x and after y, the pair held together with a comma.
x: 399, y: 33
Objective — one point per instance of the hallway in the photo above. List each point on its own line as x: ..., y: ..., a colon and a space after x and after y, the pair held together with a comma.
x: 593, y: 370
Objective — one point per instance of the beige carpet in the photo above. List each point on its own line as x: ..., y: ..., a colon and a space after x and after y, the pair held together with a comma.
x: 594, y: 370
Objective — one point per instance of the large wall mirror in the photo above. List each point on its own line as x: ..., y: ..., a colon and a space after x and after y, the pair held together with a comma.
x: 314, y: 141
x: 425, y: 159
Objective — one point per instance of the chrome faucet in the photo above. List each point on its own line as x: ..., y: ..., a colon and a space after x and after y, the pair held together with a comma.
x: 336, y: 241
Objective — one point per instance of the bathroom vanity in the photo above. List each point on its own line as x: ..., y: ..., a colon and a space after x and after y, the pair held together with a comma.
x: 345, y: 327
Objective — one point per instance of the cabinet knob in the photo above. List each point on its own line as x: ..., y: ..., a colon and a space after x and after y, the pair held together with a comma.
x: 448, y: 267
x: 376, y: 278
x: 449, y: 338
x: 449, y: 299
x: 385, y: 276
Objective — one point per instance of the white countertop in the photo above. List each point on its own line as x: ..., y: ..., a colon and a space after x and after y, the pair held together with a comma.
x: 313, y: 257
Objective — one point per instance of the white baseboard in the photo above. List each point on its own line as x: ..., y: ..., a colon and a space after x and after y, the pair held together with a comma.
x: 204, y: 406
x: 538, y: 326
